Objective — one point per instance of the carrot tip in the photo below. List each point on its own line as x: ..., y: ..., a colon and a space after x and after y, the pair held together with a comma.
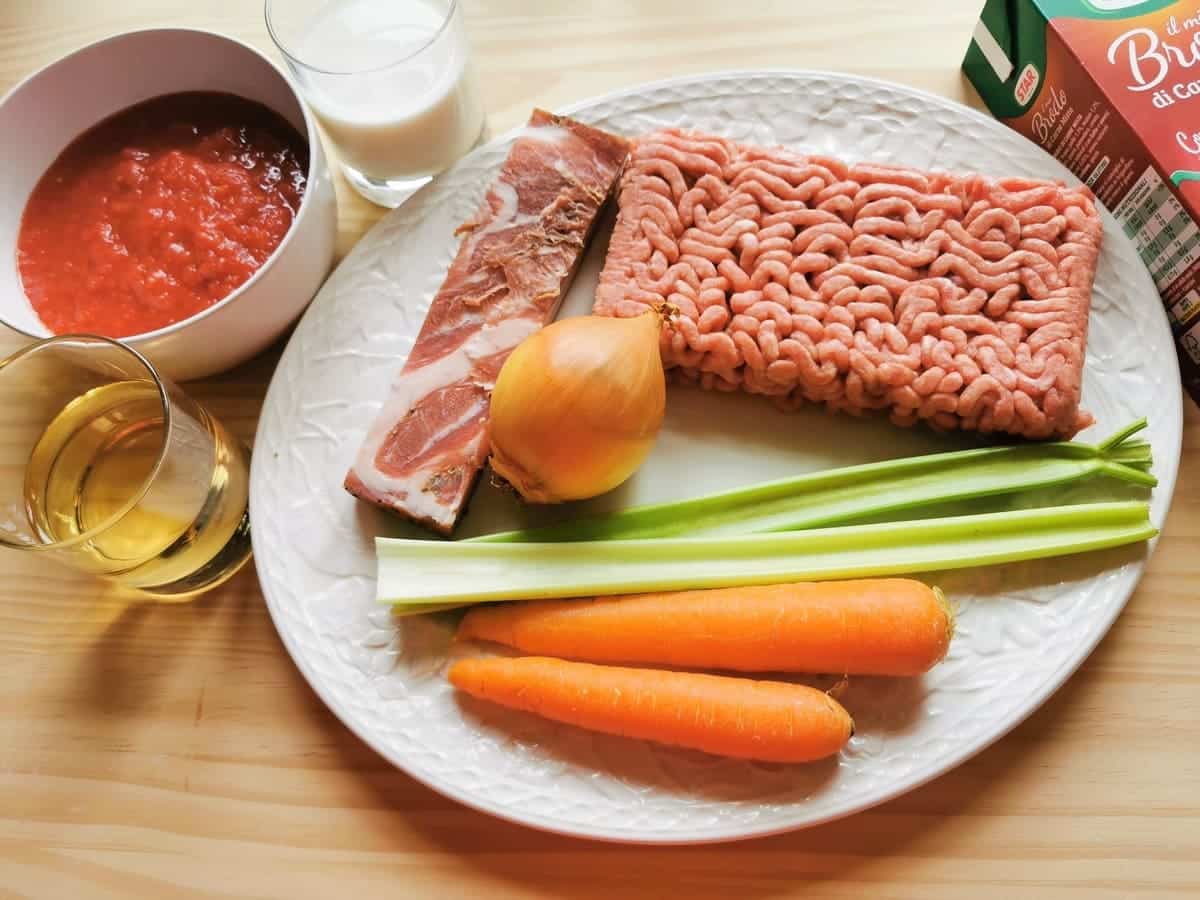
x: 951, y: 611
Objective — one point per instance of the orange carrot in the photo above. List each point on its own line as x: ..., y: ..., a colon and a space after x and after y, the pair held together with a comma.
x: 886, y: 626
x: 764, y: 720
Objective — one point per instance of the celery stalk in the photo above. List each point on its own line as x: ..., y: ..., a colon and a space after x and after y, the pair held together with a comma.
x: 419, y: 573
x: 846, y: 495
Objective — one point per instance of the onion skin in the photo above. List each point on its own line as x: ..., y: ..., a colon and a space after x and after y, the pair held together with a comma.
x: 577, y: 407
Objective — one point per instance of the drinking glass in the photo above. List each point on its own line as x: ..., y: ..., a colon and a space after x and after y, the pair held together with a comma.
x: 108, y: 467
x: 390, y: 81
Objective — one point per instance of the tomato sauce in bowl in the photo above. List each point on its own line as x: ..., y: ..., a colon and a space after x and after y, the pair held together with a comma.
x: 159, y: 212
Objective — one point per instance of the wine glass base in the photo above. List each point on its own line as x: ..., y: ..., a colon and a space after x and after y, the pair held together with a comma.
x: 389, y: 193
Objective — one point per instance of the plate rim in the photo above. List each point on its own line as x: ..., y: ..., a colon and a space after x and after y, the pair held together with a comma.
x: 922, y: 775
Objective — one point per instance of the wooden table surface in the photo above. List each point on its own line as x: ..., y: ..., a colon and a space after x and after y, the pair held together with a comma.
x: 155, y: 751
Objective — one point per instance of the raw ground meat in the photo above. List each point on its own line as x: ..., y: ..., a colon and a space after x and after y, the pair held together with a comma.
x: 956, y: 299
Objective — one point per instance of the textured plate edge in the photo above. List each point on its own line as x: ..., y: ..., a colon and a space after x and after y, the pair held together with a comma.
x: 922, y: 776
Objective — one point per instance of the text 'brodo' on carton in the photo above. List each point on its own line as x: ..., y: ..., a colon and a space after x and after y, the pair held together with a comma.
x: 1111, y: 88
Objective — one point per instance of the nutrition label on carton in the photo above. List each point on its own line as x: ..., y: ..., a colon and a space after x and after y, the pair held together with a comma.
x: 1166, y: 237
x: 1187, y: 309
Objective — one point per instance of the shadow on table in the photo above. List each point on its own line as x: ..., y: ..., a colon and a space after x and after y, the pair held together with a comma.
x: 131, y: 643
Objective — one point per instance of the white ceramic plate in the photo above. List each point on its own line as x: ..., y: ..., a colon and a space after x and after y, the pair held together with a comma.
x: 1023, y: 629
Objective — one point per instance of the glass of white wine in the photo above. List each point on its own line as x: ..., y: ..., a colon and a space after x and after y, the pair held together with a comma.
x: 108, y: 467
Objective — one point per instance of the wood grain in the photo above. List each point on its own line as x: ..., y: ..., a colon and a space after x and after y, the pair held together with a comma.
x: 156, y: 751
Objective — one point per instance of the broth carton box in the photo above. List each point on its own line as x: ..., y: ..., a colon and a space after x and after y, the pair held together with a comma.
x: 1111, y: 88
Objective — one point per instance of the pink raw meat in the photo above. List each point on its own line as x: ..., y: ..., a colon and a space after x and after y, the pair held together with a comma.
x: 424, y: 451
x: 955, y: 299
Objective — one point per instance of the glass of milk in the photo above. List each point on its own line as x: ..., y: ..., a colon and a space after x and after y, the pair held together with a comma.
x: 390, y: 82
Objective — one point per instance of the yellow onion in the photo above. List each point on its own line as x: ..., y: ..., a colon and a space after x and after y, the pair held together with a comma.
x: 577, y: 407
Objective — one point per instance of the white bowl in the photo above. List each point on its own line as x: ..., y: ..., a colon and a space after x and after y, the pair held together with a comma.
x: 46, y: 111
